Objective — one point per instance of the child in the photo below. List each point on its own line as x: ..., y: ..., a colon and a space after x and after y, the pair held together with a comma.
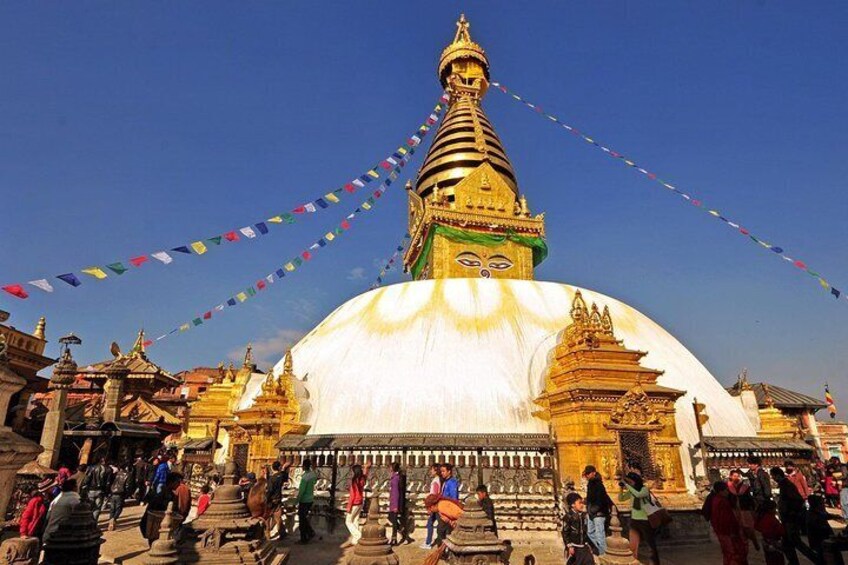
x: 575, y: 532
x: 204, y: 501
x: 772, y: 531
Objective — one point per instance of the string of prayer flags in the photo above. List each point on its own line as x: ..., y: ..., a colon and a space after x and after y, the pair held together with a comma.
x: 307, y: 254
x: 391, y: 261
x: 201, y: 247
x: 696, y: 202
x: 828, y: 399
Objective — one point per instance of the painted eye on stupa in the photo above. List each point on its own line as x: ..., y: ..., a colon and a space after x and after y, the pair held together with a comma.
x: 499, y: 263
x: 469, y: 259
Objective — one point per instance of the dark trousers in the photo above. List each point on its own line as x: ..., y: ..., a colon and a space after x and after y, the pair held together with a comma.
x: 116, y: 506
x: 443, y: 530
x: 648, y: 537
x: 306, y: 531
x: 398, y: 523
x: 96, y: 498
x: 792, y: 542
x: 582, y: 556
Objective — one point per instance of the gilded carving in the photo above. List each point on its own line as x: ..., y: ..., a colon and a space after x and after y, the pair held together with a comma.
x: 634, y: 410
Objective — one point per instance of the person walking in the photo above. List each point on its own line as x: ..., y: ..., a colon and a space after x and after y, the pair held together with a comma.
x: 759, y: 479
x: 734, y: 550
x: 355, y: 501
x: 160, y: 475
x: 818, y: 528
x: 433, y: 517
x: 117, y: 494
x: 204, y: 500
x: 278, y: 477
x: 743, y: 505
x: 141, y: 469
x: 772, y: 532
x: 798, y: 479
x: 790, y: 508
x: 181, y: 494
x: 305, y: 499
x: 633, y: 488
x: 598, y: 507
x: 575, y: 532
x: 97, y: 483
x: 34, y: 516
x: 450, y: 484
x: 487, y: 506
x: 60, y: 511
x: 397, y: 505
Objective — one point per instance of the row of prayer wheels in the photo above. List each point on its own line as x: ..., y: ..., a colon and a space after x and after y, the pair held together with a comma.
x: 412, y: 460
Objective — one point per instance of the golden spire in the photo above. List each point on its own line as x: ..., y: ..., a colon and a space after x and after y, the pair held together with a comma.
x: 248, y: 357
x: 39, y: 328
x: 288, y: 365
x: 138, y: 347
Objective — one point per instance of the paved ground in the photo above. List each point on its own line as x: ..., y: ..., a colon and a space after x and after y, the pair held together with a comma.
x: 125, y: 545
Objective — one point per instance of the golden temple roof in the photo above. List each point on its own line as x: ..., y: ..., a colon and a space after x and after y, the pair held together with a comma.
x: 465, y: 139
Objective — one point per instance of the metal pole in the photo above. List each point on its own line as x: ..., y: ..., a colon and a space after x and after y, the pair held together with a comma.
x: 333, y: 484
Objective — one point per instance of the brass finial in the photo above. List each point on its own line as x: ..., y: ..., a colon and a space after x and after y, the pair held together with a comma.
x: 525, y: 209
x: 606, y: 322
x: 768, y: 399
x: 248, y: 357
x: 579, y: 311
x: 742, y: 382
x: 39, y: 328
x: 462, y: 33
x: 138, y: 347
x: 288, y: 365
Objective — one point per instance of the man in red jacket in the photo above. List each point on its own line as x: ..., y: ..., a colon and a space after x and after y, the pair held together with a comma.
x: 35, y: 512
x: 734, y: 550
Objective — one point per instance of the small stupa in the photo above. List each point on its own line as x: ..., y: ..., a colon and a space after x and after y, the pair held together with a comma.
x: 164, y: 550
x: 373, y: 547
x: 473, y: 540
x: 618, y: 548
x: 226, y: 533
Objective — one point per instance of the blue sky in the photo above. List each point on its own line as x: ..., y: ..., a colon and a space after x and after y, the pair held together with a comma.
x: 132, y: 127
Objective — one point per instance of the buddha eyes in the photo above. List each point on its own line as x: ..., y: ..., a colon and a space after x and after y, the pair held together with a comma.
x: 472, y: 260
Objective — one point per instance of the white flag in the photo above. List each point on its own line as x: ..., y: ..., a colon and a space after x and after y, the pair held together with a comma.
x: 219, y: 307
x: 270, y: 278
x: 310, y: 207
x: 314, y: 246
x: 162, y: 256
x: 42, y: 284
x: 358, y: 183
x: 248, y: 232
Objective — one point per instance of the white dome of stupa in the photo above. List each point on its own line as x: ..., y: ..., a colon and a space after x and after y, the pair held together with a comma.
x: 465, y: 356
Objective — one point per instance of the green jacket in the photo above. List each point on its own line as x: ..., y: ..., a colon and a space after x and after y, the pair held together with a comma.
x: 306, y: 490
x: 640, y: 497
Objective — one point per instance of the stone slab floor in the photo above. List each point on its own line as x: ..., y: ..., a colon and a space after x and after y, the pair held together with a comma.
x: 125, y: 545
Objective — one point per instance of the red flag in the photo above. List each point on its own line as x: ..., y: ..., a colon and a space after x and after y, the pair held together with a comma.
x: 147, y: 343
x: 345, y: 225
x: 350, y: 188
x: 386, y: 165
x: 207, y: 315
x: 231, y: 236
x: 299, y: 210
x: 306, y: 255
x: 16, y: 290
x: 260, y: 284
x: 139, y: 261
x: 800, y: 265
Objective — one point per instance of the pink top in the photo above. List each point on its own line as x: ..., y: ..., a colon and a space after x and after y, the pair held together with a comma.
x: 435, y: 486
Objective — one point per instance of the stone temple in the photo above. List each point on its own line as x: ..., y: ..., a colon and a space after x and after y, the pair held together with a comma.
x: 518, y: 382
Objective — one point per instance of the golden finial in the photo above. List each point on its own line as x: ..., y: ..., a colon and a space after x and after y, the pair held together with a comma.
x: 525, y: 209
x: 462, y: 27
x: 138, y: 346
x: 742, y: 382
x: 288, y: 365
x: 231, y: 375
x: 248, y: 357
x: 39, y: 328
x: 579, y: 311
x: 606, y: 322
x: 768, y: 399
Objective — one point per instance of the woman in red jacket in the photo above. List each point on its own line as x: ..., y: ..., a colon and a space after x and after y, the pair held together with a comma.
x: 32, y: 519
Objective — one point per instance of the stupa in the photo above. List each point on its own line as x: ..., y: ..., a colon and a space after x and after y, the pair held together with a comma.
x: 450, y: 366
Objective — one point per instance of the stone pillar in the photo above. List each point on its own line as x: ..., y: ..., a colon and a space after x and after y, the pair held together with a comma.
x: 63, y: 377
x: 618, y: 548
x: 473, y: 541
x: 373, y: 547
x: 113, y: 390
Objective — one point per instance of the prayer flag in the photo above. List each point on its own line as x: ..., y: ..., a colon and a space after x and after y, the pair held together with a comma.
x: 310, y: 207
x: 307, y: 255
x: 338, y: 231
x: 95, y: 272
x: 833, y: 291
x: 162, y: 256
x: 402, y: 150
x: 270, y: 278
x: 251, y: 291
x: 299, y: 210
x: 197, y: 321
x: 288, y: 218
x: 184, y: 327
x: 262, y: 227
x: 207, y: 315
x: 297, y: 261
x: 386, y: 165
x: 215, y: 240
x: 147, y: 343
x: 276, y: 220
x: 322, y: 242
x: 329, y: 236
x: 366, y: 206
x: 70, y: 278
x: 181, y: 249
x: 358, y: 183
x: 198, y: 247
x: 365, y: 178
x: 331, y: 197
x: 281, y: 273
x: 231, y: 236
x: 42, y: 284
x: 219, y: 307
x: 260, y: 284
x: 117, y: 268
x: 373, y: 174
x: 350, y: 188
x: 241, y: 296
x: 345, y: 225
x: 231, y: 301
x: 289, y: 267
x: 321, y: 202
x: 139, y: 261
x: 16, y: 290
x: 314, y: 246
x: 828, y: 399
x: 248, y: 232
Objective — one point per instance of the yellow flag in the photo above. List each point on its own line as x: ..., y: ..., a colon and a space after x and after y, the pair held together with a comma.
x: 373, y: 173
x: 241, y: 296
x: 331, y: 197
x: 95, y: 272
x: 289, y: 267
x: 184, y: 327
x: 198, y: 247
x: 366, y: 206
x: 276, y: 220
x: 329, y: 237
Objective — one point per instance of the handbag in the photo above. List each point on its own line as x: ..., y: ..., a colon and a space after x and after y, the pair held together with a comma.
x: 658, y: 516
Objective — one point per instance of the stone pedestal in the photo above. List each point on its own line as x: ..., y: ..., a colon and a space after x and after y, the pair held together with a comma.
x: 20, y: 551
x: 163, y: 551
x: 618, y: 547
x: 54, y: 423
x: 473, y: 541
x: 373, y: 547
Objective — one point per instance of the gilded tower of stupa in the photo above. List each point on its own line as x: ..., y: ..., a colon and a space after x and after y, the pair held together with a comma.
x: 467, y: 218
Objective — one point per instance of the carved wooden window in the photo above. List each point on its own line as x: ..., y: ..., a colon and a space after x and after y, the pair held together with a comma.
x: 636, y: 449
